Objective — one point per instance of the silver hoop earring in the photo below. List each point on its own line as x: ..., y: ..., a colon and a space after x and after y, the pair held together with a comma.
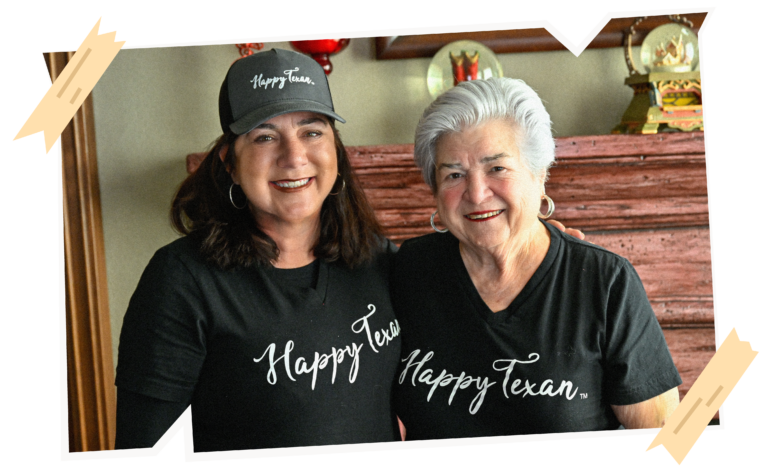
x: 233, y: 201
x: 432, y: 222
x: 343, y: 185
x: 550, y: 208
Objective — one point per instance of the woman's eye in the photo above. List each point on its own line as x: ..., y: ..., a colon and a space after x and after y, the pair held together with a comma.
x: 497, y: 169
x: 453, y: 176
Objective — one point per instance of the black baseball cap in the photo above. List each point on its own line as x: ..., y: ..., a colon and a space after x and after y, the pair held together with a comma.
x: 267, y: 84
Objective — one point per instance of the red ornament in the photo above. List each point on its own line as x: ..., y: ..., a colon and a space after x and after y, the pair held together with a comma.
x: 320, y: 50
x: 464, y: 66
x: 471, y: 66
x: 247, y: 49
x: 457, y: 63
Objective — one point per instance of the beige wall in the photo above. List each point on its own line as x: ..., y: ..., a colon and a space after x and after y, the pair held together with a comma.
x: 154, y: 106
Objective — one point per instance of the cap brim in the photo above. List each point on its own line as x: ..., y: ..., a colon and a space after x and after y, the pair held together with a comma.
x: 257, y: 117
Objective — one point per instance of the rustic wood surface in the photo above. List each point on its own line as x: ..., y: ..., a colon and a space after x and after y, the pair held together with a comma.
x: 658, y: 145
x: 599, y: 183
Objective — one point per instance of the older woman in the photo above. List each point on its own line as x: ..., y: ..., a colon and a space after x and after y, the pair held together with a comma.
x: 272, y: 316
x: 509, y: 325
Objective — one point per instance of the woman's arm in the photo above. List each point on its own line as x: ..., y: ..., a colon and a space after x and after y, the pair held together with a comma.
x: 162, y: 348
x: 638, y: 363
x: 651, y: 413
x: 142, y: 420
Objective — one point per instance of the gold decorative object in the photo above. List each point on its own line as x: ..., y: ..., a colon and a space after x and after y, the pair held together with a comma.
x: 668, y: 94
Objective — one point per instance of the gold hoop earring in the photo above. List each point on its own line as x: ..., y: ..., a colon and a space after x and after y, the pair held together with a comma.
x: 233, y: 201
x: 432, y: 222
x: 550, y: 208
x: 343, y: 185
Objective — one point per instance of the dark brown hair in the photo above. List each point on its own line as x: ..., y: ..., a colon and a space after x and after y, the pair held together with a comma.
x: 230, y: 237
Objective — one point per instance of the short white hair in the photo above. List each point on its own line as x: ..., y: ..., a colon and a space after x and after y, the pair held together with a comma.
x: 471, y: 103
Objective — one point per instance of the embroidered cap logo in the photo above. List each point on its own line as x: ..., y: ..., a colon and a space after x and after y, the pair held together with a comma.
x: 260, y: 81
x: 270, y: 83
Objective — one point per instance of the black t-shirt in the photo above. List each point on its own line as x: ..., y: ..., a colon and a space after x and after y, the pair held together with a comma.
x: 266, y: 358
x: 580, y: 336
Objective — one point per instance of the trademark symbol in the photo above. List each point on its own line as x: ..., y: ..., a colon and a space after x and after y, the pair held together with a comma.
x: 583, y: 395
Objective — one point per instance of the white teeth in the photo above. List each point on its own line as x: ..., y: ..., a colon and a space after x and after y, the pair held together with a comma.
x: 483, y: 216
x: 292, y: 184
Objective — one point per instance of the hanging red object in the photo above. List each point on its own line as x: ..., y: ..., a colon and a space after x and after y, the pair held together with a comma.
x: 247, y: 49
x: 321, y: 50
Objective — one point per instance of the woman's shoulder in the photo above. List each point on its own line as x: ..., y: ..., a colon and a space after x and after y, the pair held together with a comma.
x: 424, y: 254
x: 180, y: 257
x: 184, y: 247
x: 428, y: 244
x: 387, y: 247
x: 577, y: 245
x: 588, y: 253
x: 380, y: 262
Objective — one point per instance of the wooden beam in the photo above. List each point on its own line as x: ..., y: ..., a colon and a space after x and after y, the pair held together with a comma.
x: 90, y: 374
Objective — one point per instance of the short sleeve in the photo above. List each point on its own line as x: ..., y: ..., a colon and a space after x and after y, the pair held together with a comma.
x: 638, y: 365
x: 162, y: 341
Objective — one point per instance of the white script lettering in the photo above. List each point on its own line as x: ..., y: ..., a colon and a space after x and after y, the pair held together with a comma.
x: 529, y: 389
x: 319, y: 362
x: 292, y: 78
x: 272, y: 374
x: 260, y: 80
x: 382, y: 337
x: 462, y: 381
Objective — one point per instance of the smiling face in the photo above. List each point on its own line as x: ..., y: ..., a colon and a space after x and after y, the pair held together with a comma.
x: 286, y: 167
x: 486, y: 195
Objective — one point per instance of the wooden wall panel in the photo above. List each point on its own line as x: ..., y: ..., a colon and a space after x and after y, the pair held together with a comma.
x: 616, y: 146
x: 630, y: 182
x: 599, y: 183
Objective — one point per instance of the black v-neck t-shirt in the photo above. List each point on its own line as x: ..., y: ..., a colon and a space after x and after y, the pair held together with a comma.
x: 579, y: 337
x: 267, y: 357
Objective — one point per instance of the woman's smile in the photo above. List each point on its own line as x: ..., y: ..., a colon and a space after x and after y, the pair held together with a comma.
x: 483, y: 215
x: 292, y: 186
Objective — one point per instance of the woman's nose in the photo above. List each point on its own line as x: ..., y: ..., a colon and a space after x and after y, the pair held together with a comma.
x: 293, y: 154
x: 477, y: 189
